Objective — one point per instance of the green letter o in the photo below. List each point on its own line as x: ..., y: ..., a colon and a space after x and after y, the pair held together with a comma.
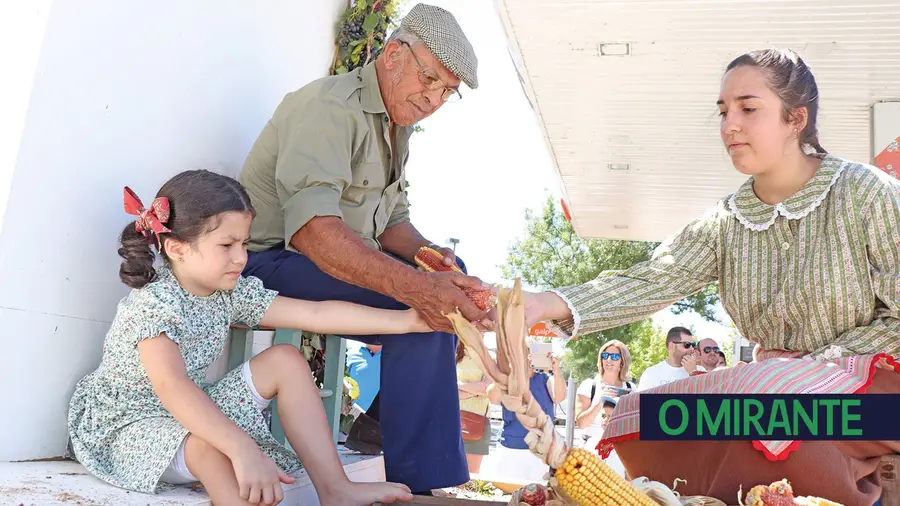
x: 662, y: 417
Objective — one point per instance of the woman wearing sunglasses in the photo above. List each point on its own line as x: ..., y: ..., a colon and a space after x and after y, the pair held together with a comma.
x: 613, y: 361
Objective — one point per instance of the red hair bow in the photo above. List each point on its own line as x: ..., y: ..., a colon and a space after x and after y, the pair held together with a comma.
x: 148, y: 219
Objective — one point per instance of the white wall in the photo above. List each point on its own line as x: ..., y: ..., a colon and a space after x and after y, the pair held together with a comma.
x: 124, y: 93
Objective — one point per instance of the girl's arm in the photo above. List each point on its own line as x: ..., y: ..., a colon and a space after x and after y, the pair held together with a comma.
x: 344, y: 318
x: 476, y: 387
x: 557, y: 384
x: 187, y: 402
x: 494, y: 393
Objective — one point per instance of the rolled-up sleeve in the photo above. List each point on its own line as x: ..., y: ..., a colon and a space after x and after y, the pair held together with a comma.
x: 313, y: 166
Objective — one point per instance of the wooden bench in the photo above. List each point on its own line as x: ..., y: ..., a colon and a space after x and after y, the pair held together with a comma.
x: 241, y: 349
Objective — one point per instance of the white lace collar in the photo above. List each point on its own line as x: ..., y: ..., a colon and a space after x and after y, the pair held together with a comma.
x: 757, y: 215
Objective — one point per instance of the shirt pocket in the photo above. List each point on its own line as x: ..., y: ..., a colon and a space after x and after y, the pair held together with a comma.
x: 367, y: 183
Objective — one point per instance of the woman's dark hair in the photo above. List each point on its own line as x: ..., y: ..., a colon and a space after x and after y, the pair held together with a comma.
x: 196, y: 199
x: 793, y: 82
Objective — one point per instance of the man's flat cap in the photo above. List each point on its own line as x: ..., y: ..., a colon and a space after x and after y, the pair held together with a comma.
x: 442, y: 35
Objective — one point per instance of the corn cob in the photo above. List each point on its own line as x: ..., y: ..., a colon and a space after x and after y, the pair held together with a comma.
x: 432, y: 261
x: 780, y: 493
x: 587, y: 480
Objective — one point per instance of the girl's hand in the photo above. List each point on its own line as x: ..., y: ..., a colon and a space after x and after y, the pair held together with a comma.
x: 259, y: 479
x: 417, y: 322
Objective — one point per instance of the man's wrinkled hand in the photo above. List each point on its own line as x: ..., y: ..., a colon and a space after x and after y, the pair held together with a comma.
x: 441, y: 294
x: 449, y: 255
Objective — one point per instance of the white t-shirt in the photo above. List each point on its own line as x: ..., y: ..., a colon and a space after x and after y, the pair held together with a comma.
x: 661, y: 374
x: 585, y: 389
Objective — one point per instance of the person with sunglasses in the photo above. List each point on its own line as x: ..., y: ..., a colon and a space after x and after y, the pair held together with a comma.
x: 708, y: 359
x: 613, y: 362
x: 327, y: 177
x: 680, y: 363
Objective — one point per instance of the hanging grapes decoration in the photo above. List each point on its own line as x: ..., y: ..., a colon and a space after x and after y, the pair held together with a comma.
x: 363, y: 28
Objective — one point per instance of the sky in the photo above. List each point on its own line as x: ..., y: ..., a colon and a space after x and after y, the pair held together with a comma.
x: 482, y: 161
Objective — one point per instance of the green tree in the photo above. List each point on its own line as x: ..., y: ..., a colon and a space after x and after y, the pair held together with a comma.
x: 550, y: 254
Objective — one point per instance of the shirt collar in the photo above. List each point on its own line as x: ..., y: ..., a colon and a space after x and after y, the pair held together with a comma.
x: 758, y: 215
x: 370, y: 92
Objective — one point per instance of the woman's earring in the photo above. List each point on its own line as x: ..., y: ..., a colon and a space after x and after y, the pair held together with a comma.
x: 181, y: 259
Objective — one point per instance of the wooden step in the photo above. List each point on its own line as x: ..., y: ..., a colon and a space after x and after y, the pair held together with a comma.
x: 64, y: 482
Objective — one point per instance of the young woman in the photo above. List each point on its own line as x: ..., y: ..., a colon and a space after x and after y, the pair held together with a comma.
x: 146, y: 417
x: 807, y: 256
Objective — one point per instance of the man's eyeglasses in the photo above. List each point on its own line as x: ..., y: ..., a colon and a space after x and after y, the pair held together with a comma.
x: 711, y: 349
x: 607, y: 355
x: 430, y: 80
x: 686, y: 344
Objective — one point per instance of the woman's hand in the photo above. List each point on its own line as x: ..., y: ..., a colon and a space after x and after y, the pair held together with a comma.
x: 610, y: 391
x: 554, y: 363
x: 259, y: 479
x: 544, y: 306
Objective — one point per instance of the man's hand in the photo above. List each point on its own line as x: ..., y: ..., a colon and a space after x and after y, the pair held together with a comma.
x: 449, y: 255
x: 689, y: 362
x: 440, y: 294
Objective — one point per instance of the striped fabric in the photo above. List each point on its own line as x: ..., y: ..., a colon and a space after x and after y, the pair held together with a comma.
x: 780, y: 375
x: 817, y: 275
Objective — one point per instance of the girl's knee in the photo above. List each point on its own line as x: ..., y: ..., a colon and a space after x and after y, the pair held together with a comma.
x: 287, y: 356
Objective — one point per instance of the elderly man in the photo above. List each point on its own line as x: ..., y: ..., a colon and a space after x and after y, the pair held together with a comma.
x: 326, y: 177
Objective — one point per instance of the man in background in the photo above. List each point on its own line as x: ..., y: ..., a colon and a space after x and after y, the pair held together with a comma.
x: 681, y: 362
x: 709, y: 354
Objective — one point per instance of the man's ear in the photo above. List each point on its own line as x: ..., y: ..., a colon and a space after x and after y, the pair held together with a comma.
x: 393, y: 54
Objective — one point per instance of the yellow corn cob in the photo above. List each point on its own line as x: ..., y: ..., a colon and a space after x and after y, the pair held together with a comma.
x: 587, y: 481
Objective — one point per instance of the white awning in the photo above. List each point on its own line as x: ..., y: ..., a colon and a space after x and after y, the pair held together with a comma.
x: 626, y: 91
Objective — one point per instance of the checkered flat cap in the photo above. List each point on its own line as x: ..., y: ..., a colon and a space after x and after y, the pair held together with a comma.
x: 439, y: 31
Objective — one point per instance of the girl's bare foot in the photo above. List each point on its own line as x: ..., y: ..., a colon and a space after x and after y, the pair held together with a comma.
x: 366, y: 494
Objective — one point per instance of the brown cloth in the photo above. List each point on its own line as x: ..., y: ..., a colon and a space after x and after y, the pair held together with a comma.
x: 843, y: 472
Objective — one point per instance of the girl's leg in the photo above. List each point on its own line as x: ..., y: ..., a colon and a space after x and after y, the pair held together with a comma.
x: 214, y: 471
x: 281, y: 370
x: 474, y: 462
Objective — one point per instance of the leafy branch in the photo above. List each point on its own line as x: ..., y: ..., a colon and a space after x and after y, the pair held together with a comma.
x: 362, y: 31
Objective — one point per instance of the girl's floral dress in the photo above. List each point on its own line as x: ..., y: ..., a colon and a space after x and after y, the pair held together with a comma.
x: 118, y: 428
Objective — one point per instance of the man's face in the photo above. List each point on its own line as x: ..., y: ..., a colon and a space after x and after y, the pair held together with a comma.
x: 416, y: 84
x: 681, y: 347
x: 709, y: 353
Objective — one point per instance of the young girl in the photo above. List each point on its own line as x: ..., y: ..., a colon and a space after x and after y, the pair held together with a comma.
x: 145, y: 415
